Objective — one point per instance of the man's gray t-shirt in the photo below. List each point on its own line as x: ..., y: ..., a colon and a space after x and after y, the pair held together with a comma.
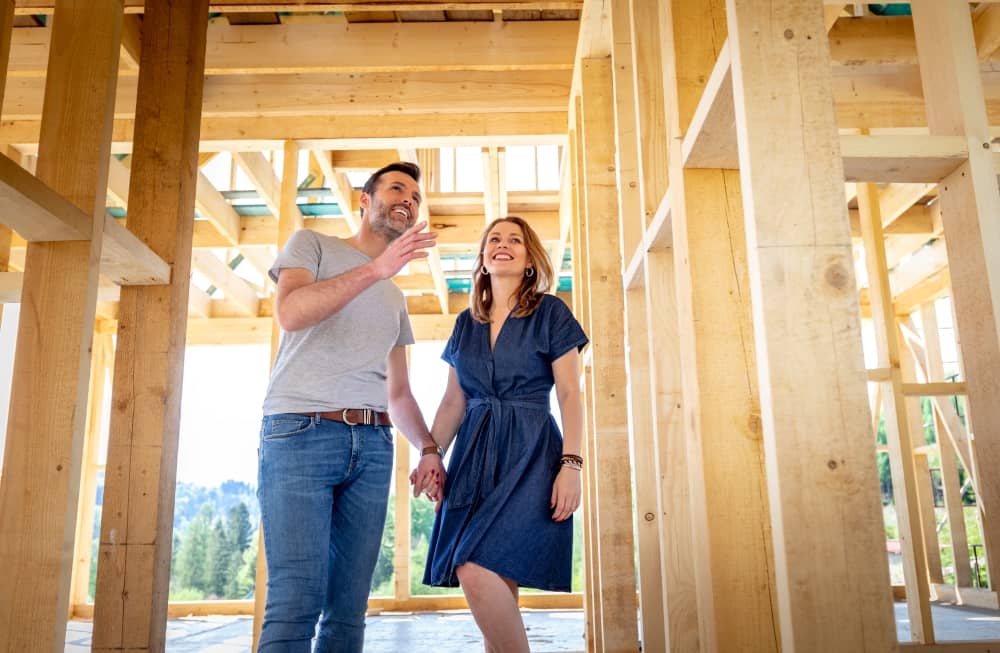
x: 342, y: 361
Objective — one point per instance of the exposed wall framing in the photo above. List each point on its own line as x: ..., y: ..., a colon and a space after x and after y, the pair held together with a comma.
x: 746, y: 186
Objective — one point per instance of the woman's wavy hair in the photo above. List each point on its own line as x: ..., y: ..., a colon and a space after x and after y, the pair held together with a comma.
x: 529, y: 294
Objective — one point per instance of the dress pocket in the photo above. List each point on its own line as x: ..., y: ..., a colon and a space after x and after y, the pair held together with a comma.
x: 280, y: 427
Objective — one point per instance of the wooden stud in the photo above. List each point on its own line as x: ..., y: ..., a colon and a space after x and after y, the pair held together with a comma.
x: 39, y: 493
x: 434, y: 253
x: 949, y: 465
x: 592, y: 605
x: 6, y: 25
x: 651, y: 127
x: 137, y: 519
x: 923, y: 495
x: 815, y: 425
x: 717, y: 364
x: 648, y: 515
x: 898, y: 427
x: 610, y: 428
x: 102, y: 358
x: 676, y: 546
x: 401, y: 515
x: 970, y: 209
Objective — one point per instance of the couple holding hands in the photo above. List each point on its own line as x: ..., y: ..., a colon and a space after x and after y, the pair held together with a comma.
x: 340, y: 382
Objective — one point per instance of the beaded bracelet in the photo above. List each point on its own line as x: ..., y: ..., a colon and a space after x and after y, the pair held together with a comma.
x: 572, y: 461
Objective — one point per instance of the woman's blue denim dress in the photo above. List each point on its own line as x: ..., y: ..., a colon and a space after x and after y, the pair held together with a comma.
x: 506, y: 454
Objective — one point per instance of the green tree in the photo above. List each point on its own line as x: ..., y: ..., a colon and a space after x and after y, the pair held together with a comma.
x: 220, y: 553
x: 245, y: 576
x: 192, y: 563
x: 238, y: 527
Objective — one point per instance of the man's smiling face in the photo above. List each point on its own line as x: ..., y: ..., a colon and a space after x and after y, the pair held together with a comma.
x: 394, y: 206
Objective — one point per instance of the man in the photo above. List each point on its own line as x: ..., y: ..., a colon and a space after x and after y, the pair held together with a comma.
x: 325, y: 458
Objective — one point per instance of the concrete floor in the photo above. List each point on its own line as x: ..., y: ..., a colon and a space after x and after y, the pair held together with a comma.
x: 549, y: 631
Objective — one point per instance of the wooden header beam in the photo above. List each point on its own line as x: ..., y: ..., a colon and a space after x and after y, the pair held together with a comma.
x: 341, y: 132
x: 25, y: 7
x: 347, y: 47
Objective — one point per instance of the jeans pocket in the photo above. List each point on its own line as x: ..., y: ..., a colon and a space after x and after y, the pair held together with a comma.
x: 386, y: 434
x: 285, y: 426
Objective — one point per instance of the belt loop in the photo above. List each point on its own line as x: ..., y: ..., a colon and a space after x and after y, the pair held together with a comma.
x: 316, y: 418
x: 369, y: 416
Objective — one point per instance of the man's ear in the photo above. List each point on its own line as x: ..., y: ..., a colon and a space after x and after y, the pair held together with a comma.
x: 363, y: 201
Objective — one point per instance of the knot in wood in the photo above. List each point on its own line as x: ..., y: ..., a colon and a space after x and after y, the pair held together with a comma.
x: 836, y: 276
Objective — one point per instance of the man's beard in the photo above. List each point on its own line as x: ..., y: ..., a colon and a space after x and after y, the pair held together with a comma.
x: 382, y: 224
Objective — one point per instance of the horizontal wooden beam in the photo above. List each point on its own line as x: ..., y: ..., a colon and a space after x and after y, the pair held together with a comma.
x: 340, y: 94
x: 429, y: 603
x: 901, y: 159
x: 453, y: 230
x: 35, y: 211
x: 253, y: 330
x: 710, y: 141
x: 337, y: 46
x: 128, y: 261
x: 327, y: 132
x: 11, y: 282
x: 38, y: 213
x: 934, y: 389
x: 26, y: 7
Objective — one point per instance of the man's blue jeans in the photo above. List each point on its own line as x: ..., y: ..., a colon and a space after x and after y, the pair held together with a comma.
x: 323, y: 488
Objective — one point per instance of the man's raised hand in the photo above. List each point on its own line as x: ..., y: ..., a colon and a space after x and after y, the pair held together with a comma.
x: 412, y: 244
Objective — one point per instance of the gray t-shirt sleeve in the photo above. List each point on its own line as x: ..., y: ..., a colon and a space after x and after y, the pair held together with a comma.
x: 302, y: 250
x: 405, y: 330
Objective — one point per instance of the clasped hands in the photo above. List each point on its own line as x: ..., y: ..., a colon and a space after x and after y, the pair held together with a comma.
x: 428, y: 478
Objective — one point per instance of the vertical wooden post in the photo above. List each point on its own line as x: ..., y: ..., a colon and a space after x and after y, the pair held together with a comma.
x: 946, y: 453
x: 133, y: 576
x: 722, y: 424
x: 631, y: 222
x: 6, y: 25
x: 970, y: 211
x: 924, y: 495
x: 39, y: 488
x: 289, y: 221
x: 898, y: 428
x: 676, y: 548
x: 581, y: 307
x: 103, y: 357
x: 819, y: 450
x: 610, y: 425
x: 401, y: 514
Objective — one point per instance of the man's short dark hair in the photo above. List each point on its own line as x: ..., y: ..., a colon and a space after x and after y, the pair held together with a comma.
x: 407, y: 168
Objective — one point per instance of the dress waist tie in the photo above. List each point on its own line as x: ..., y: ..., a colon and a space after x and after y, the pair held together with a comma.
x: 480, y: 458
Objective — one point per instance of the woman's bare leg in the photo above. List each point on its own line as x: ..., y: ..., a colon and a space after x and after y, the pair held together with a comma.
x: 493, y: 601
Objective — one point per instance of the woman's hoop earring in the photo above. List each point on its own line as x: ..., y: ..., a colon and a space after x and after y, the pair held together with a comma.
x: 529, y: 272
x: 484, y: 271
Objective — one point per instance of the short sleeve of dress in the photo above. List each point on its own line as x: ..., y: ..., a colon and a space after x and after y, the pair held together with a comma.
x: 301, y: 251
x: 565, y: 331
x: 451, y: 347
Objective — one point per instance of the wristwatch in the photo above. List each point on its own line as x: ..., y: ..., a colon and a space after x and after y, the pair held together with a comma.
x: 432, y: 449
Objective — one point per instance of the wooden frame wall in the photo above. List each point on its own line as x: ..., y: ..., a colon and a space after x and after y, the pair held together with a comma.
x: 707, y: 282
x: 817, y: 521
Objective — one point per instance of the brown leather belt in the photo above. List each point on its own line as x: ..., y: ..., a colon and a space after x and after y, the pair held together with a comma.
x: 355, y: 416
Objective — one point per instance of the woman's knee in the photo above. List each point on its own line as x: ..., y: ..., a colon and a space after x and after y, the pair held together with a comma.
x: 472, y: 577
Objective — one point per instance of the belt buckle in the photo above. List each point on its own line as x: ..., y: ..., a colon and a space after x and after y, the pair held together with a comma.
x: 343, y: 416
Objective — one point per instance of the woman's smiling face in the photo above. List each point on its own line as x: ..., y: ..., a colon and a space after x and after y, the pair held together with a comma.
x: 505, y: 253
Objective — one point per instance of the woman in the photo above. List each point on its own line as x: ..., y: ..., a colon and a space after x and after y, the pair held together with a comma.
x: 513, y: 481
